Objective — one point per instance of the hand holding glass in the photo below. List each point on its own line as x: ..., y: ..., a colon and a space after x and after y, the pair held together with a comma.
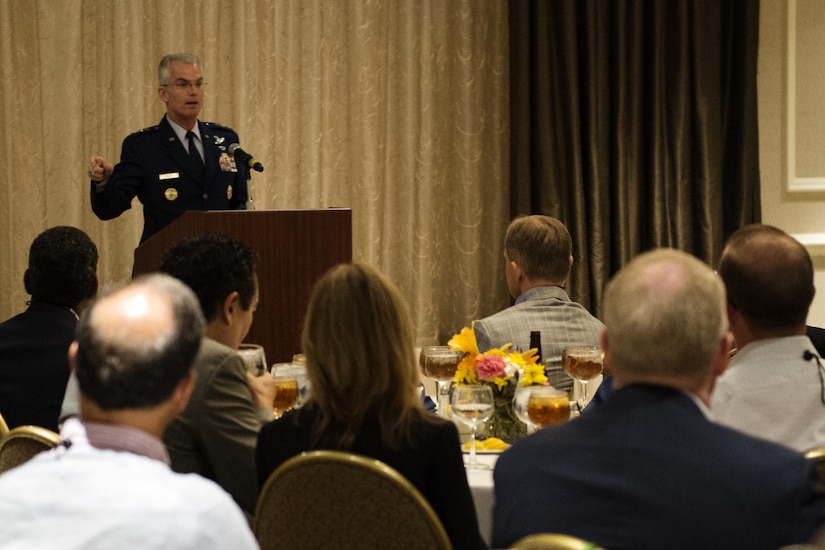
x: 471, y: 405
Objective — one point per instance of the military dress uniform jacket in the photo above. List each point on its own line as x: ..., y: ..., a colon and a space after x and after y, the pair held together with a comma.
x: 155, y: 166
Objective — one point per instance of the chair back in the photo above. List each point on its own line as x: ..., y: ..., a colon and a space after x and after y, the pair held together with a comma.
x: 4, y: 428
x: 333, y: 499
x: 23, y: 442
x: 553, y: 541
x: 817, y: 454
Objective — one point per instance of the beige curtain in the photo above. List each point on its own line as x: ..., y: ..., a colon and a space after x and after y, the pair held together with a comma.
x: 395, y: 109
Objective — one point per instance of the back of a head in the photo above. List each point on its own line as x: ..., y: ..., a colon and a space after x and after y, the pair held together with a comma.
x: 358, y: 341
x: 665, y: 316
x: 213, y: 266
x: 62, y: 267
x: 137, y: 342
x: 769, y: 277
x: 541, y: 245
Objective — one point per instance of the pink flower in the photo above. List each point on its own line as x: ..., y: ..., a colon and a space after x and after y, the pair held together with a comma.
x: 490, y: 366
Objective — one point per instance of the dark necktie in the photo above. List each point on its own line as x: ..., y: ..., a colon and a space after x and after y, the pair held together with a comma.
x: 195, y: 158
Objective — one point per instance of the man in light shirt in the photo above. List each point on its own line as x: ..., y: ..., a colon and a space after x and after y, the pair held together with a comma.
x: 774, y: 385
x: 109, y: 484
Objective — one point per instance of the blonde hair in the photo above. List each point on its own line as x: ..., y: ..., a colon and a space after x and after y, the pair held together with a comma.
x: 358, y: 341
x: 665, y: 315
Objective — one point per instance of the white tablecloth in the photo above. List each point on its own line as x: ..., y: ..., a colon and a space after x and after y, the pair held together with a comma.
x: 481, y: 486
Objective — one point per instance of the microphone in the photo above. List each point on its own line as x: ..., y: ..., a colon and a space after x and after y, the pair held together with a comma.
x: 245, y: 158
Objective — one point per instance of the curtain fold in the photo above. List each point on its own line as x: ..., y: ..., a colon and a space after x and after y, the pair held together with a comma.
x: 634, y: 122
x: 396, y: 109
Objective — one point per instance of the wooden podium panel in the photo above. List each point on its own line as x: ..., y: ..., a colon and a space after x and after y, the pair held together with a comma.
x: 295, y: 247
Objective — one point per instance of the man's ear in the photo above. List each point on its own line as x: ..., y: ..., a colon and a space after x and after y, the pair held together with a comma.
x: 72, y: 353
x: 27, y: 282
x: 183, y: 391
x: 230, y: 306
x: 93, y: 288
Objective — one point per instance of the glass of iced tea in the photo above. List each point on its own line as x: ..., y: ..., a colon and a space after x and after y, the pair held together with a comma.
x: 286, y: 394
x: 583, y: 363
x: 547, y: 406
x: 440, y: 364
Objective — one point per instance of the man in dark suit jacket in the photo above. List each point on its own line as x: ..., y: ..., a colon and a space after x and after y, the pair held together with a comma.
x: 168, y: 169
x: 649, y: 468
x: 34, y: 366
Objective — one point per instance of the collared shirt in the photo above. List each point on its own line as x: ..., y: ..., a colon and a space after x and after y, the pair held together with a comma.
x: 115, y: 438
x: 770, y: 390
x: 181, y: 133
x: 79, y: 496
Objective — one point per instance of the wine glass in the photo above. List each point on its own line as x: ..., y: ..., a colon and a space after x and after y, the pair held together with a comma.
x: 471, y: 405
x: 547, y: 406
x: 520, y: 399
x: 583, y: 363
x: 440, y: 363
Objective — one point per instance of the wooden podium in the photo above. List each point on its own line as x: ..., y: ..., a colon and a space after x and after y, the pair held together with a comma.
x: 295, y: 247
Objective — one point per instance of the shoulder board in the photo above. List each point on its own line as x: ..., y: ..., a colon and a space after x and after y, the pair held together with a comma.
x: 148, y: 130
x: 216, y: 126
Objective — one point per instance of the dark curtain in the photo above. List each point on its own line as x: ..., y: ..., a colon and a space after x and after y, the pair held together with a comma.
x: 635, y: 123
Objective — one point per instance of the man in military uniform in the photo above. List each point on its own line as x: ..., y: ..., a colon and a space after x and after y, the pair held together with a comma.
x: 180, y: 164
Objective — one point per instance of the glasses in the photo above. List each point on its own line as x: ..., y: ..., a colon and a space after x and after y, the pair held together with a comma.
x: 184, y: 85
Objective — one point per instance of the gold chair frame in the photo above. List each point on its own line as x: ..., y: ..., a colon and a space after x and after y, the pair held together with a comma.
x: 553, y: 541
x: 334, y: 499
x: 24, y: 442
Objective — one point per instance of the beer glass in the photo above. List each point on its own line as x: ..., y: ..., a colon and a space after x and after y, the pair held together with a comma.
x: 440, y: 363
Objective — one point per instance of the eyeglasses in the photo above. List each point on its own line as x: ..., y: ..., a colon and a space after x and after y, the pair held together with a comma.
x: 184, y: 85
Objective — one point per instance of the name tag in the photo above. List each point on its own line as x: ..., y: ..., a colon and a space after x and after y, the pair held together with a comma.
x: 169, y: 176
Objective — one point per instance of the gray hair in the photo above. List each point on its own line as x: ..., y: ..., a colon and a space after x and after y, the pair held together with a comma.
x: 665, y: 315
x: 163, y: 68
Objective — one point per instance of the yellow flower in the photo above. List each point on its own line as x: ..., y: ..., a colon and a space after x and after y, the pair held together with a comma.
x: 467, y: 372
x: 465, y: 341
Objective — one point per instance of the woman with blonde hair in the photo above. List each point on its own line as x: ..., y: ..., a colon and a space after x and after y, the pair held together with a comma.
x: 358, y: 342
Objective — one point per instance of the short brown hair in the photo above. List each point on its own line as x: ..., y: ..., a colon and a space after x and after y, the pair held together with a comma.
x: 542, y: 247
x: 769, y: 277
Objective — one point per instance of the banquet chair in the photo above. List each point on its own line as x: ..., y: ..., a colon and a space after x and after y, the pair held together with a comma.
x: 4, y: 428
x: 553, y: 541
x: 817, y: 454
x: 334, y: 499
x: 23, y: 442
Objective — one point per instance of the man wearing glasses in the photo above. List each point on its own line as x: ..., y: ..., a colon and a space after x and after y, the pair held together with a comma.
x: 180, y: 164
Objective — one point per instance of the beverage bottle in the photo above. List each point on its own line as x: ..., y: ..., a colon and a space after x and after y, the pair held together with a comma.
x: 535, y: 342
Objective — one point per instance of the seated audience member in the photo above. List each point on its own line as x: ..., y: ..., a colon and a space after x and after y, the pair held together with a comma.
x: 773, y: 387
x: 109, y: 484
x: 215, y: 435
x: 538, y: 253
x: 358, y: 341
x: 34, y: 367
x: 649, y: 468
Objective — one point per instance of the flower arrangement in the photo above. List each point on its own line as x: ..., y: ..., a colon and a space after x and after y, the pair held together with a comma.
x: 498, y: 366
x: 502, y: 369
